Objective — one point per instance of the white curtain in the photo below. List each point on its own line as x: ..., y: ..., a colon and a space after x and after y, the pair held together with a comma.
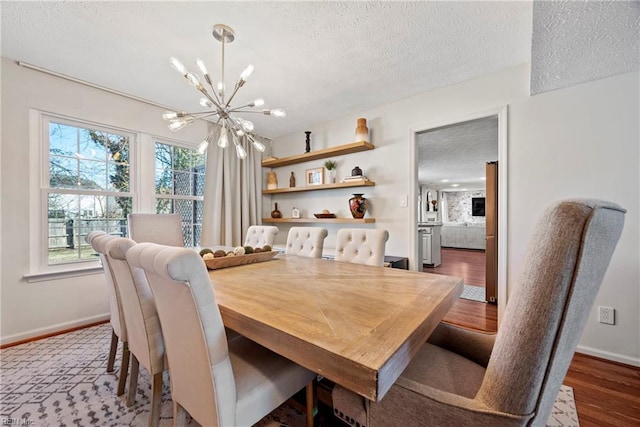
x: 232, y: 192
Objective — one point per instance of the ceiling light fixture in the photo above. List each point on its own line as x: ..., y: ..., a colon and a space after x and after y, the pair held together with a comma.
x: 233, y: 126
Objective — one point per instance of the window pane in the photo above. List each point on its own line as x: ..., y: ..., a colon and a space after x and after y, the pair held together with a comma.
x: 164, y: 206
x: 182, y: 183
x: 93, y: 175
x: 119, y: 148
x: 92, y: 145
x: 182, y: 159
x: 63, y: 172
x: 63, y: 139
x: 163, y: 156
x: 164, y: 183
x: 71, y: 217
x: 198, y: 184
x: 119, y: 177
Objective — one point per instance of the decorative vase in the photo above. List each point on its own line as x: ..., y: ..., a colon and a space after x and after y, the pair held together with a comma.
x: 358, y: 206
x: 272, y: 181
x: 362, y: 131
x: 276, y: 213
x: 356, y: 171
x: 292, y: 180
x: 332, y: 174
x: 307, y: 147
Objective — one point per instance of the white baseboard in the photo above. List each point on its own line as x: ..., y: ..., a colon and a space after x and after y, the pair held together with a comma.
x: 615, y: 357
x: 35, y: 333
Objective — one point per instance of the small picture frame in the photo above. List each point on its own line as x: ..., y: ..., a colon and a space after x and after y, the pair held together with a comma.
x: 314, y: 176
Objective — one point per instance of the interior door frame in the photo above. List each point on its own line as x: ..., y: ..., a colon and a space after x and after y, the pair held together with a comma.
x: 501, y: 113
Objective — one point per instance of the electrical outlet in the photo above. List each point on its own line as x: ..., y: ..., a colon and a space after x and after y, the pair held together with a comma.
x: 606, y: 315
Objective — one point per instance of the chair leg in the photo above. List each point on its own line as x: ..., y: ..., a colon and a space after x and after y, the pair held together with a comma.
x: 124, y: 368
x: 311, y: 402
x: 179, y: 415
x: 156, y: 398
x: 112, y: 351
x: 133, y: 380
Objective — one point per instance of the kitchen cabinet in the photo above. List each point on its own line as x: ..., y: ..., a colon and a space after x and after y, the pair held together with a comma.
x: 429, y: 244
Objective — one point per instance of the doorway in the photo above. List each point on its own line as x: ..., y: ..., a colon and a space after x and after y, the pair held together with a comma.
x: 450, y: 170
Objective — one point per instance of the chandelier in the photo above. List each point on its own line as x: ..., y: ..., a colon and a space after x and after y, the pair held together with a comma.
x: 232, y: 125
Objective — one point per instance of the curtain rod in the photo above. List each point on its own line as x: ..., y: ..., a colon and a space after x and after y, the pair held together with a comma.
x: 93, y: 85
x: 102, y: 88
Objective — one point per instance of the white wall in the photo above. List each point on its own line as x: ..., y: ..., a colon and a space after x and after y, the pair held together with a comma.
x: 576, y: 142
x: 583, y: 141
x: 32, y: 309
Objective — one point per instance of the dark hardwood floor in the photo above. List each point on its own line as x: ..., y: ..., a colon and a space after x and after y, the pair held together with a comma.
x: 606, y: 393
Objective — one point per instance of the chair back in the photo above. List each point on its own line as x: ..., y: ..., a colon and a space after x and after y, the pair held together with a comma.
x: 567, y: 258
x: 98, y: 241
x: 306, y: 241
x: 163, y: 229
x: 144, y: 332
x: 361, y: 246
x: 202, y: 380
x: 260, y: 235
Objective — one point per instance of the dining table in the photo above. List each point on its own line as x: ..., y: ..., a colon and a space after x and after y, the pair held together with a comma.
x: 357, y: 325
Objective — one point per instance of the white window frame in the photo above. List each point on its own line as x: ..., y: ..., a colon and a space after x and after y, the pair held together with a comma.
x: 39, y: 268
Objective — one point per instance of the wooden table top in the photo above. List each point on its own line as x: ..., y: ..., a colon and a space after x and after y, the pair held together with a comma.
x: 356, y: 325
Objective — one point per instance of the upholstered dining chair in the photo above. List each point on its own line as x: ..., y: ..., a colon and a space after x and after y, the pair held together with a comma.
x: 306, y: 241
x: 98, y: 241
x: 361, y: 246
x: 146, y: 343
x: 164, y: 229
x: 218, y: 382
x: 260, y: 235
x: 466, y: 378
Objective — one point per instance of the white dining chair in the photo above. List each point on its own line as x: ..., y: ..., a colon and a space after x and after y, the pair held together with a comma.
x: 146, y: 343
x: 260, y: 235
x: 98, y: 241
x: 306, y: 241
x: 164, y: 229
x: 218, y: 382
x: 361, y: 246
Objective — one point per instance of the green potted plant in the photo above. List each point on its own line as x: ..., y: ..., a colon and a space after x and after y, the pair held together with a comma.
x: 330, y: 165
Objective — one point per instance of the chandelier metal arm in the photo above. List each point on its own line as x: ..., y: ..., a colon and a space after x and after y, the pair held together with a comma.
x: 236, y: 128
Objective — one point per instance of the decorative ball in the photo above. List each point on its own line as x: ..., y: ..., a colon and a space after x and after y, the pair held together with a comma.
x: 239, y: 250
x: 205, y: 251
x: 266, y: 248
x: 208, y: 255
x: 219, y: 253
x: 248, y: 250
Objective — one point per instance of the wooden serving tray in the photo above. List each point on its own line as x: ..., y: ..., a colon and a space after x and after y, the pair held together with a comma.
x: 231, y: 261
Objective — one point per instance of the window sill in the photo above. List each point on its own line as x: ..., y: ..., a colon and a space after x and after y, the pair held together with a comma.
x: 62, y: 274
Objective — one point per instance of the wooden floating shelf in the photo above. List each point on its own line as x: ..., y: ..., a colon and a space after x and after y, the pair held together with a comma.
x: 354, y: 147
x: 361, y: 183
x: 326, y: 220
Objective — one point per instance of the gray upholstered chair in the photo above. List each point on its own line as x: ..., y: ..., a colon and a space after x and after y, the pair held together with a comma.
x: 306, y: 241
x: 361, y: 246
x: 218, y: 382
x: 98, y: 241
x: 145, y: 335
x: 164, y: 229
x: 465, y: 378
x: 260, y: 235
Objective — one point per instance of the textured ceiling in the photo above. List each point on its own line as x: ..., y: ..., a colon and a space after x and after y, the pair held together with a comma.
x: 457, y: 153
x: 318, y: 60
x: 577, y: 42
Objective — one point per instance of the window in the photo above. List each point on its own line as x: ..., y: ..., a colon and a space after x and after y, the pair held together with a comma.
x: 87, y: 186
x: 180, y: 187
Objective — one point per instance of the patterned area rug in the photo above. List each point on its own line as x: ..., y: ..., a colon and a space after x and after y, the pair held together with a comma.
x: 474, y: 293
x: 62, y: 381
